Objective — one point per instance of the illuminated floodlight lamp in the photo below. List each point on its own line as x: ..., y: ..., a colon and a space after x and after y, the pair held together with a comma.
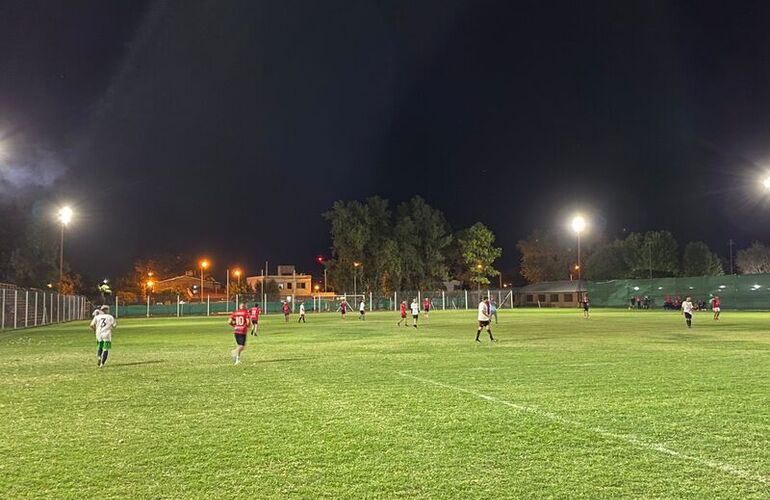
x: 766, y: 182
x: 578, y: 224
x: 65, y: 215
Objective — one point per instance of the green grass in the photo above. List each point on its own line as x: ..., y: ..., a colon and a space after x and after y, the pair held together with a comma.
x: 627, y: 404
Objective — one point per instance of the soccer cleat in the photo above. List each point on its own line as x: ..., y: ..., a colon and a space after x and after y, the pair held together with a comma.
x: 237, y: 361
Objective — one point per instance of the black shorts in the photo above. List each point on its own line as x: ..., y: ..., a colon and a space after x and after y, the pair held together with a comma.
x: 240, y: 338
x: 688, y: 316
x: 483, y: 323
x: 254, y: 321
x: 585, y: 307
x: 415, y: 316
x: 427, y: 309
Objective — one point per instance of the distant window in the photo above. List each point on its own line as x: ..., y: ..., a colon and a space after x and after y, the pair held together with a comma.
x: 541, y: 297
x: 529, y: 298
x: 567, y: 297
x: 301, y: 285
x: 288, y: 286
x: 554, y: 297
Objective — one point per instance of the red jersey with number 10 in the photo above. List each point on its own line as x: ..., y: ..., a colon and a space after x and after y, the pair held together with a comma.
x: 239, y: 320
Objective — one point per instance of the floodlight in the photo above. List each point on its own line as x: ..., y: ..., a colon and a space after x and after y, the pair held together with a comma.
x: 65, y: 215
x: 578, y: 224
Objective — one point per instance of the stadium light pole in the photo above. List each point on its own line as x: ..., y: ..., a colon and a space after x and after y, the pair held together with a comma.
x: 237, y: 274
x: 356, y: 265
x: 204, y: 265
x: 65, y: 217
x: 578, y: 225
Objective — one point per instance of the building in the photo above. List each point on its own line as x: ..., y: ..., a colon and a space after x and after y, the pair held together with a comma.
x: 289, y: 282
x: 551, y: 294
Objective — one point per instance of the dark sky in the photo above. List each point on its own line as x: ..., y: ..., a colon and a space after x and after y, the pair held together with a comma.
x: 226, y: 128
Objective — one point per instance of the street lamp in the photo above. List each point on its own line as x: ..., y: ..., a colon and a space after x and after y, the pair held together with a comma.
x: 237, y: 274
x: 65, y: 217
x: 356, y: 265
x: 322, y: 262
x: 204, y: 265
x: 578, y: 225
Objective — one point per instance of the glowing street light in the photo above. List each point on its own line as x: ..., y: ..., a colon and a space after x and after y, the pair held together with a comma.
x: 237, y: 274
x: 578, y: 225
x: 766, y: 182
x: 356, y: 265
x: 65, y: 217
x: 204, y: 265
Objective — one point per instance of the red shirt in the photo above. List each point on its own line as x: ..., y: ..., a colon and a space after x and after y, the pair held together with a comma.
x: 239, y: 320
x: 403, y: 309
x: 286, y: 309
x: 714, y: 302
x: 254, y: 313
x: 344, y: 306
x: 426, y: 304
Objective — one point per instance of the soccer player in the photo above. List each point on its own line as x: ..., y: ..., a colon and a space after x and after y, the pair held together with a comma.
x: 493, y: 309
x: 586, y: 306
x: 254, y: 313
x: 415, y: 311
x: 362, y: 310
x: 426, y: 305
x: 286, y: 311
x: 484, y: 318
x: 715, y: 307
x: 402, y: 309
x: 102, y: 325
x: 301, y: 313
x: 239, y: 320
x: 343, y: 308
x: 687, y: 308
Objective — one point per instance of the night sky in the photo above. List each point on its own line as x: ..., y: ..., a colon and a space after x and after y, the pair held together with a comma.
x: 225, y: 128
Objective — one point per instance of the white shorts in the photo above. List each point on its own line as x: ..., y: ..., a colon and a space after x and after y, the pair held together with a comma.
x: 716, y: 309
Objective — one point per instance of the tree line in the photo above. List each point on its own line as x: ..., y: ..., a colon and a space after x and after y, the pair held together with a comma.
x: 410, y: 248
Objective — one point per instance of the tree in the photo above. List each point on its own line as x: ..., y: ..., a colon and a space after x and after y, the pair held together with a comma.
x: 608, y: 262
x: 754, y: 260
x: 479, y: 253
x: 425, y: 235
x: 699, y: 260
x: 241, y: 288
x: 543, y: 258
x: 654, y: 253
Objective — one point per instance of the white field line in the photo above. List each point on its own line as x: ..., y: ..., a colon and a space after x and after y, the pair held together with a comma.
x: 639, y: 442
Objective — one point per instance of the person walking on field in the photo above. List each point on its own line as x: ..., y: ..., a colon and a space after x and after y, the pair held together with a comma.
x: 586, y: 305
x: 484, y: 318
x: 687, y: 309
x: 362, y: 310
x: 239, y: 320
x: 415, y: 311
x: 102, y: 325
x: 426, y: 306
x: 402, y: 310
x: 286, y: 311
x: 715, y: 307
x: 254, y: 313
x: 343, y: 308
x: 493, y: 309
x: 301, y: 313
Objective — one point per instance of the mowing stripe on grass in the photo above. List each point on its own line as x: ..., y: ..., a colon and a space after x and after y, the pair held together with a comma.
x: 629, y: 438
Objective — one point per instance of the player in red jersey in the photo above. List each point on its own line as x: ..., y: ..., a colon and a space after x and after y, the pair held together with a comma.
x: 402, y: 309
x: 286, y: 311
x: 239, y: 320
x: 426, y: 306
x: 715, y: 307
x: 343, y: 309
x: 254, y: 318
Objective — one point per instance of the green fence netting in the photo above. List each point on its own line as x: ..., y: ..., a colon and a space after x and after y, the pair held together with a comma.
x: 749, y: 291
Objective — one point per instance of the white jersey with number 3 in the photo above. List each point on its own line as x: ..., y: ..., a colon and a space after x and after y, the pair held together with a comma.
x: 103, y: 325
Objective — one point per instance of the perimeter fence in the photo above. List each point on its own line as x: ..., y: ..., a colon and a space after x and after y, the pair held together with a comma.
x: 28, y: 307
x: 180, y: 305
x: 739, y: 292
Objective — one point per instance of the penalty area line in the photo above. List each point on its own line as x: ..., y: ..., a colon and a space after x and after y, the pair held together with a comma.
x: 637, y: 441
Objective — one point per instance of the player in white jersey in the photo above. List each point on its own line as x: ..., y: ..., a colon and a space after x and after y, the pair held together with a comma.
x: 362, y: 310
x: 102, y: 325
x: 484, y: 317
x: 301, y: 313
x: 687, y: 308
x: 415, y: 307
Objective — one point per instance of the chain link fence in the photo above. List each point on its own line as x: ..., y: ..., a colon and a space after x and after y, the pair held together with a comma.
x: 25, y: 308
x: 181, y: 305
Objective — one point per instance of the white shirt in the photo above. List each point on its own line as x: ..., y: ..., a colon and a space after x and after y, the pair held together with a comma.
x: 415, y: 308
x: 687, y: 306
x: 302, y: 308
x: 483, y: 311
x: 362, y: 306
x: 103, y: 325
x: 96, y: 312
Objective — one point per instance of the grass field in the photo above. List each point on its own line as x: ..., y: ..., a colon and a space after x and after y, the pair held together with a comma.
x: 627, y: 404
